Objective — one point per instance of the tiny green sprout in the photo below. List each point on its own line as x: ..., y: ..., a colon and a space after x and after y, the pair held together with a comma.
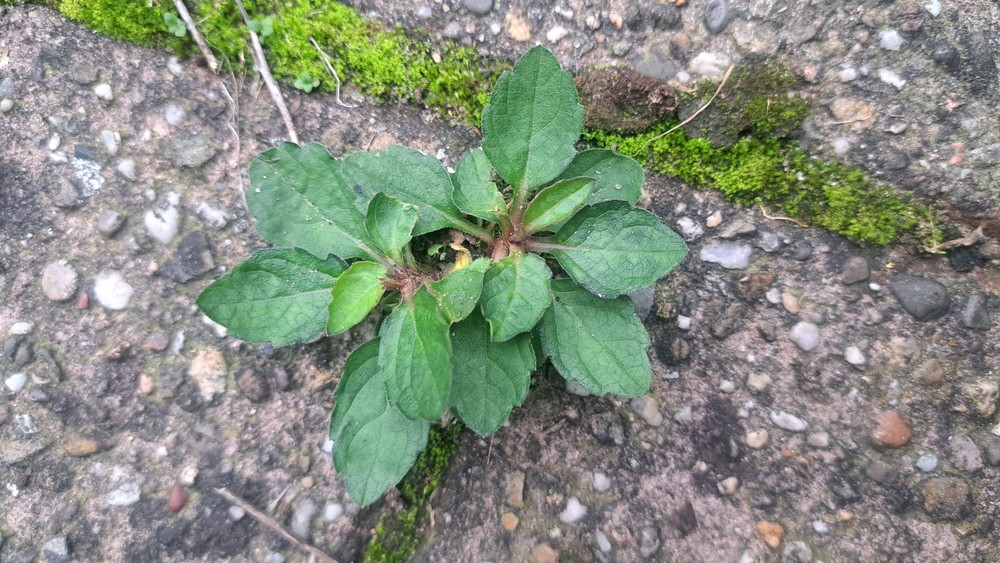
x: 174, y: 24
x: 525, y: 253
x: 263, y: 27
x: 306, y: 82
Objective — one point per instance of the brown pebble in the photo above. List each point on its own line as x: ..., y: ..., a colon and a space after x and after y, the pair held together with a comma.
x: 544, y: 553
x: 771, y: 533
x: 178, y: 498
x: 509, y: 521
x: 893, y: 430
x: 308, y: 482
x: 515, y: 489
x: 83, y: 301
x: 80, y: 447
x: 146, y: 384
x: 157, y: 342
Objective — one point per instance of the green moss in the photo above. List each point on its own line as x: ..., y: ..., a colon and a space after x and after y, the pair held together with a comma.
x: 778, y: 175
x: 137, y: 21
x: 397, y: 536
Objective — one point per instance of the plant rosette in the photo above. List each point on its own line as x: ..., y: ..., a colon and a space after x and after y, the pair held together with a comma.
x: 524, y: 253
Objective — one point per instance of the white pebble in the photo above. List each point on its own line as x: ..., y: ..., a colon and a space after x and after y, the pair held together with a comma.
x: 841, y: 146
x: 125, y: 495
x: 805, y: 335
x: 111, y: 140
x: 848, y: 74
x: 54, y: 141
x: 164, y: 221
x: 727, y: 386
x: 927, y: 463
x: 683, y: 323
x: 112, y: 291
x: 556, y: 34
x: 874, y: 287
x: 729, y: 255
x: 573, y: 512
x: 16, y: 382
x: 23, y: 327
x: 219, y: 330
x: 709, y: 65
x: 890, y: 39
x: 891, y: 78
x: 728, y: 486
x: 103, y: 91
x: 788, y: 422
x: 213, y: 217
x: 577, y: 389
x: 332, y: 511
x: 174, y: 114
x: 933, y: 8
x: 689, y: 229
x: 602, y: 541
x: 174, y: 66
x: 818, y: 439
x: 684, y: 416
x: 601, y: 482
x: 773, y: 295
x: 126, y: 167
x: 820, y: 527
x: 756, y: 439
x: 6, y: 105
x: 854, y: 356
x: 236, y: 513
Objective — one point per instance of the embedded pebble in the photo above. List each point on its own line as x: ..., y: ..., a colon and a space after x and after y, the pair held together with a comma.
x: 55, y: 550
x: 854, y: 270
x: 689, y: 228
x: 111, y: 140
x: 509, y: 521
x: 126, y: 167
x: 302, y: 515
x: 104, y: 92
x: 21, y: 328
x: 163, y: 222
x: 797, y: 552
x: 715, y: 16
x: 770, y: 533
x: 603, y: 543
x: 964, y: 454
x: 933, y: 8
x: 820, y: 527
x: 556, y: 34
x: 976, y: 313
x: 892, y: 430
x: 790, y: 302
x: 212, y: 217
x: 854, y: 356
x: 788, y: 422
x: 684, y: 416
x: 16, y: 382
x: 573, y: 512
x: 236, y: 513
x: 841, y: 146
x: 478, y: 7
x: 332, y: 511
x: 54, y: 141
x: 728, y: 486
x: 125, y: 494
x: 890, y: 39
x: 758, y: 382
x: 648, y: 408
x: 601, y: 482
x: 818, y: 439
x: 924, y: 299
x: 59, y: 281
x: 714, y: 220
x: 805, y: 335
x: 729, y: 255
x: 891, y: 78
x: 178, y: 498
x: 947, y: 498
x: 727, y: 386
x: 109, y: 222
x: 208, y: 371
x: 756, y: 439
x: 112, y: 291
x: 174, y: 114
x: 709, y: 65
x: 927, y: 463
x: 6, y: 105
x: 848, y: 74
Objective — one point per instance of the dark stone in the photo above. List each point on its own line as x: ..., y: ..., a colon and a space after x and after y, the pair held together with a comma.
x: 478, y: 7
x: 280, y: 378
x: 761, y: 499
x: 946, y: 55
x: 654, y: 63
x: 24, y: 354
x: 980, y: 67
x: 65, y: 194
x: 880, y: 471
x: 607, y: 427
x: 252, y: 385
x: 11, y: 344
x: 992, y: 451
x: 843, y: 488
x: 976, y: 312
x: 965, y: 259
x: 188, y: 399
x: 986, y: 526
x: 653, y: 15
x: 895, y: 160
x: 924, y: 299
x: 854, y: 270
x: 56, y: 550
x: 729, y: 321
x: 801, y: 251
x: 715, y: 16
x: 38, y: 395
x: 683, y: 518
x: 946, y: 498
x: 83, y: 152
x: 618, y: 98
x: 192, y: 258
x: 109, y: 222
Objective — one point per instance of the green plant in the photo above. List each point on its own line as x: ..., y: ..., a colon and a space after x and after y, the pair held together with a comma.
x: 174, y: 24
x: 466, y: 322
x: 263, y: 27
x: 306, y: 82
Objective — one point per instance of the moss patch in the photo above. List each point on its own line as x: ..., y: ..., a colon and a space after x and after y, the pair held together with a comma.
x: 778, y: 175
x: 398, y: 536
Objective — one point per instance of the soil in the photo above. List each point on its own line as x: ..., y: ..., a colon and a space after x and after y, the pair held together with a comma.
x: 150, y: 395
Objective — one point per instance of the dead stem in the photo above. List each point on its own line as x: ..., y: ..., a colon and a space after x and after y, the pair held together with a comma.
x: 725, y: 77
x: 213, y: 64
x: 780, y: 217
x: 326, y: 61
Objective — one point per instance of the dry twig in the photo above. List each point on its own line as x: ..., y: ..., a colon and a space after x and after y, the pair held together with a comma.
x: 234, y: 123
x: 968, y: 240
x: 780, y: 217
x: 265, y: 72
x: 693, y: 115
x: 196, y: 35
x: 271, y: 523
x: 326, y: 61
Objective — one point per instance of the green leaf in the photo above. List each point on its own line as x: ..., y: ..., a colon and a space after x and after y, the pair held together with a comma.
x: 355, y: 294
x: 374, y: 445
x: 616, y: 177
x: 475, y: 194
x: 411, y: 177
x: 556, y: 203
x: 533, y: 120
x: 416, y: 357
x: 490, y: 378
x: 300, y: 199
x: 390, y: 224
x: 306, y: 82
x: 458, y: 292
x: 599, y: 343
x: 277, y: 295
x: 515, y: 294
x: 612, y: 248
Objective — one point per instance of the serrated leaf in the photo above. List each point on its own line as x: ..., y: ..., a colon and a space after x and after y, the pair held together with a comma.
x: 374, y: 444
x: 515, y: 294
x: 355, y: 294
x: 390, y: 224
x: 616, y: 177
x: 490, y: 378
x: 277, y: 295
x: 475, y: 194
x: 458, y: 292
x: 415, y: 356
x: 533, y: 120
x: 599, y: 343
x: 300, y: 200
x: 613, y: 248
x: 556, y: 204
x: 411, y: 177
